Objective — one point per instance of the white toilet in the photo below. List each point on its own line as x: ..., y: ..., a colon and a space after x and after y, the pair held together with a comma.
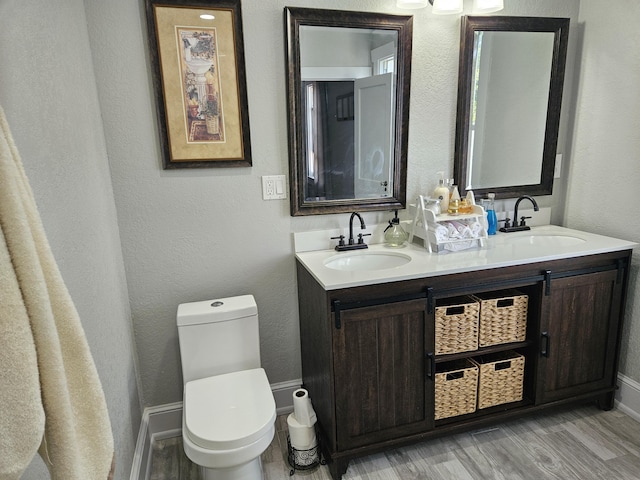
x: 229, y: 412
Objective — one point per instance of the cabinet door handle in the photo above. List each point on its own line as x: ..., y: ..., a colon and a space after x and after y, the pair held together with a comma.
x: 431, y: 371
x: 336, y: 313
x: 545, y: 342
x: 547, y: 283
x: 430, y: 302
x: 621, y: 265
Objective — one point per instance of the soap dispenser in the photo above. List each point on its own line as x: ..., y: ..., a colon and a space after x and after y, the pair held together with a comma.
x: 492, y: 220
x: 442, y: 193
x: 394, y: 234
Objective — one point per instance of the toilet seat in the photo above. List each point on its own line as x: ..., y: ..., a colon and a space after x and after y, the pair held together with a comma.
x: 229, y: 411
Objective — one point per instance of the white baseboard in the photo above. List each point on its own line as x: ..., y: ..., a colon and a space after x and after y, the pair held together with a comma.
x: 165, y: 421
x: 283, y: 395
x: 628, y: 397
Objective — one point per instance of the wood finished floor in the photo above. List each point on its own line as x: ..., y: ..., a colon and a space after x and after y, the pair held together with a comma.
x: 580, y: 443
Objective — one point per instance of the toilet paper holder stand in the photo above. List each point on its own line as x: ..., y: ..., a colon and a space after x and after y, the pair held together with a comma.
x: 304, y: 460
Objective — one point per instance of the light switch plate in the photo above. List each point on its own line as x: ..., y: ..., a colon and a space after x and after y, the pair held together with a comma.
x: 274, y: 187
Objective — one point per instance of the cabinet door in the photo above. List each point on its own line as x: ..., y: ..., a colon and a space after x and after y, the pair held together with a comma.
x: 579, y: 327
x: 380, y: 370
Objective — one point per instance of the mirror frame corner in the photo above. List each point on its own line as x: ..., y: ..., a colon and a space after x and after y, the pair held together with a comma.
x: 294, y: 18
x: 471, y: 24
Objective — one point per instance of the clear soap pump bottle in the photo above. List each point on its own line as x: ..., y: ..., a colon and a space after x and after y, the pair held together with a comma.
x: 442, y: 193
x: 492, y: 220
x: 394, y: 234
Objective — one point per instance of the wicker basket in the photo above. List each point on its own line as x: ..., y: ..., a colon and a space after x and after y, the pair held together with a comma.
x: 457, y: 325
x: 503, y: 317
x: 456, y: 389
x: 212, y: 124
x: 501, y: 378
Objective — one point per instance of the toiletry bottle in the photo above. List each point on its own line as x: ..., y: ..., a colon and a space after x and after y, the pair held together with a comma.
x: 466, y: 204
x: 492, y: 220
x: 394, y: 234
x: 471, y: 198
x: 454, y: 201
x: 442, y: 193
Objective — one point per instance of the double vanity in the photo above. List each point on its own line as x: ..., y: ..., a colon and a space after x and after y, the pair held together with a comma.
x: 368, y: 332
x: 371, y: 323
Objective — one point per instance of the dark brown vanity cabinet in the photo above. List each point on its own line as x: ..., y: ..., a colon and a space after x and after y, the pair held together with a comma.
x: 369, y: 362
x: 379, y: 369
x: 579, y: 325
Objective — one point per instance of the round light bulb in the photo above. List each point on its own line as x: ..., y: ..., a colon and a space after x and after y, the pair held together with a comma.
x: 411, y: 3
x: 487, y: 6
x: 447, y: 7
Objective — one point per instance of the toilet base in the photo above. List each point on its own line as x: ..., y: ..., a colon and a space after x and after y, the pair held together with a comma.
x: 247, y: 471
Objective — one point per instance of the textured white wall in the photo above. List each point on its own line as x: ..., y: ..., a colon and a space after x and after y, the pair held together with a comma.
x: 48, y: 92
x: 604, y: 172
x: 194, y: 234
x: 190, y: 235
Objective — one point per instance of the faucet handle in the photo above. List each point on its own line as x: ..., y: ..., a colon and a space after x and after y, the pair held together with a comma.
x: 507, y: 222
x: 360, y: 239
x: 523, y: 222
x: 340, y: 240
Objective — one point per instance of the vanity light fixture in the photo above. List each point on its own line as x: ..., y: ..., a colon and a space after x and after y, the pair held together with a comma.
x: 440, y: 7
x: 487, y: 6
x: 411, y: 4
x: 446, y: 7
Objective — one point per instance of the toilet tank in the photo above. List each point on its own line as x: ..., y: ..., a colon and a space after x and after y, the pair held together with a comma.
x: 218, y: 336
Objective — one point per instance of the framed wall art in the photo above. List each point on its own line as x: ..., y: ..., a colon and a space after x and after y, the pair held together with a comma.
x: 197, y: 57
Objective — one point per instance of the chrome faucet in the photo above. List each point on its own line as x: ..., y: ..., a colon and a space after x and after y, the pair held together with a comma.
x: 352, y: 245
x: 523, y: 223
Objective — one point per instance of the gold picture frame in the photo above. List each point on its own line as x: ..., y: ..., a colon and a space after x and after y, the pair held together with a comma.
x: 197, y: 57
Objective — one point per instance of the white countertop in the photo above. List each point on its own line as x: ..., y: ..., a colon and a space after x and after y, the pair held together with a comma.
x: 501, y: 250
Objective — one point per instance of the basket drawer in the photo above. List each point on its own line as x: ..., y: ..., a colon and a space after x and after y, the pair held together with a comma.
x: 503, y: 317
x: 500, y: 378
x: 456, y: 387
x: 457, y: 325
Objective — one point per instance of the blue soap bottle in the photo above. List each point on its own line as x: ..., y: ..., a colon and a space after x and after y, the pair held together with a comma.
x: 492, y: 220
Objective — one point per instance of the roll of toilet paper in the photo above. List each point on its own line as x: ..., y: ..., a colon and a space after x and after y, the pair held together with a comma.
x: 302, y: 409
x: 301, y: 436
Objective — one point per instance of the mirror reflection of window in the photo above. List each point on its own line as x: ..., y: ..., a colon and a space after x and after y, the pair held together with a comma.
x: 310, y: 151
x: 473, y: 115
x: 386, y: 65
x: 383, y: 59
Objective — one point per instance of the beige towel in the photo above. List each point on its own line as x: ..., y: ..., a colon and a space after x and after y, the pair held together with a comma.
x: 51, y: 398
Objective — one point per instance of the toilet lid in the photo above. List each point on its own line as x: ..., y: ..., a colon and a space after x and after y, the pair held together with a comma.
x: 229, y: 411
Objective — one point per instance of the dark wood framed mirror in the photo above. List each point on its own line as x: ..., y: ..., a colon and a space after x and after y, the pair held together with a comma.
x: 348, y: 83
x: 510, y: 83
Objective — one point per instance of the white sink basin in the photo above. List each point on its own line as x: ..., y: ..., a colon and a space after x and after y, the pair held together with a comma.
x: 359, y: 261
x: 199, y: 66
x: 546, y: 240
